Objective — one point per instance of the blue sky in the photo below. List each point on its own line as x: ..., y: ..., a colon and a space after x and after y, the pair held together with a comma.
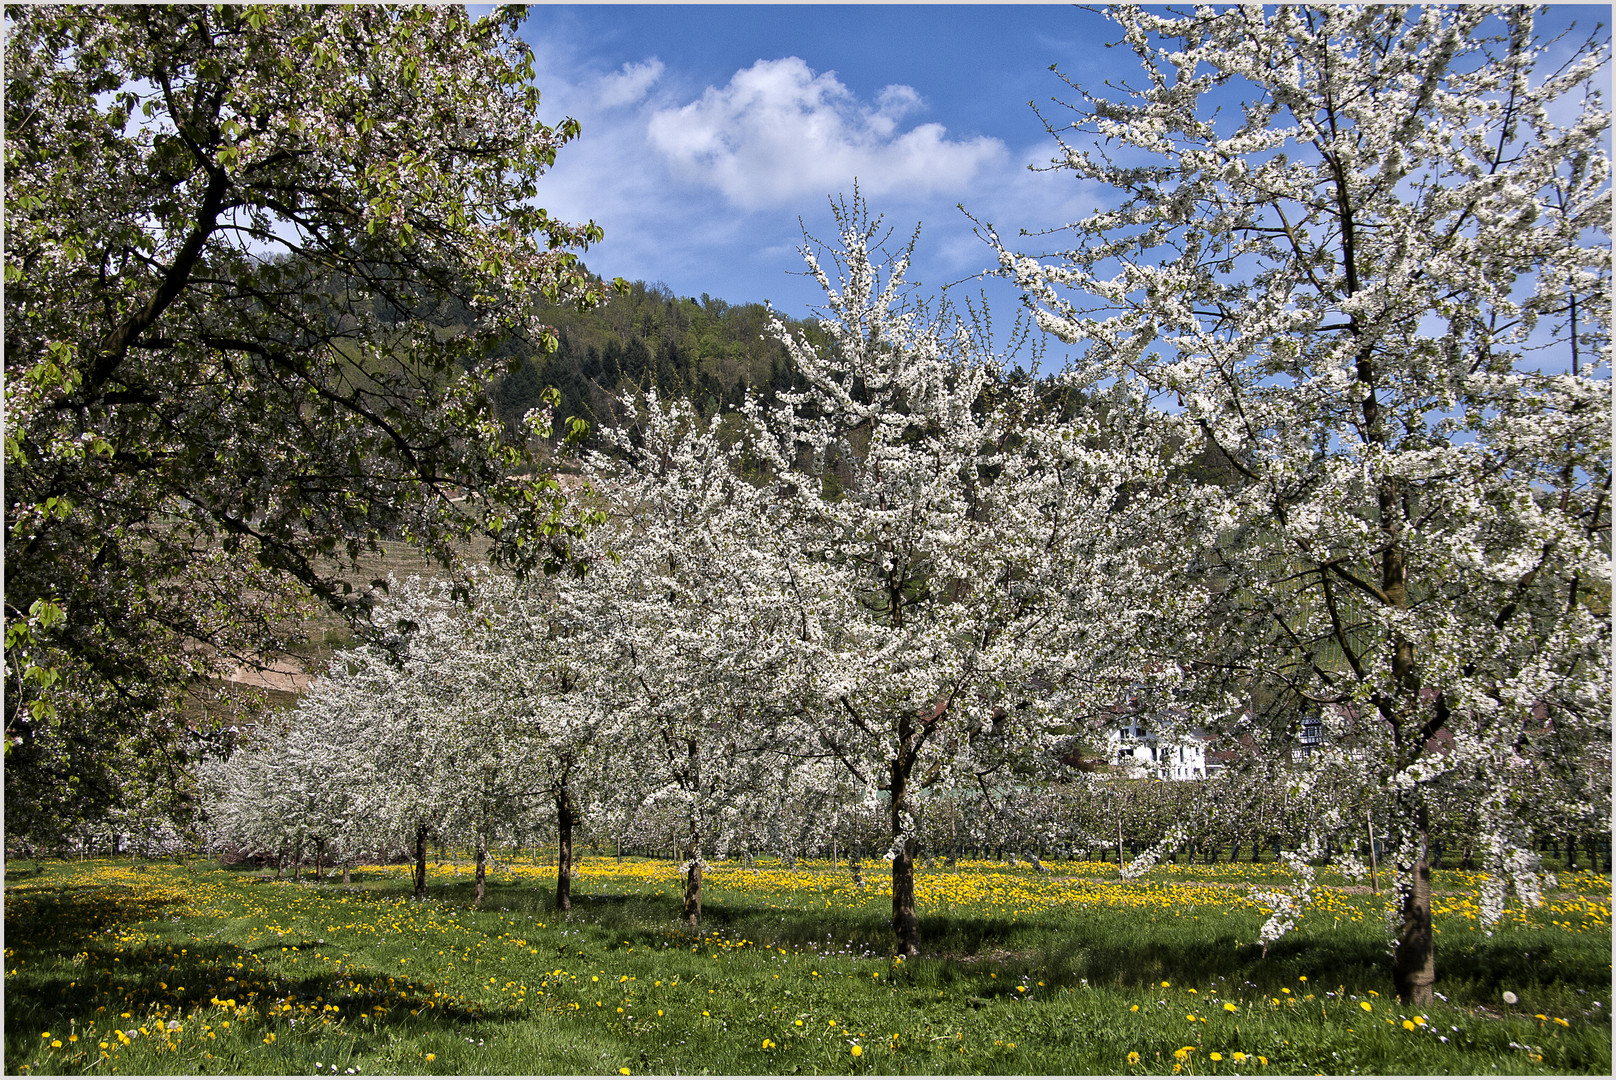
x: 713, y: 133
x: 710, y: 132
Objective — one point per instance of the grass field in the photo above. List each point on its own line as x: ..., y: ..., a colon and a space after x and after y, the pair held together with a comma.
x: 164, y: 968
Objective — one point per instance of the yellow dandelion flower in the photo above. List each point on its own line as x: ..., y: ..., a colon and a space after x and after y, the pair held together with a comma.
x: 1133, y: 1057
x: 856, y: 1050
x: 432, y: 1057
x: 1408, y: 1025
x: 1215, y: 1056
x: 1229, y: 1006
x: 1365, y: 1006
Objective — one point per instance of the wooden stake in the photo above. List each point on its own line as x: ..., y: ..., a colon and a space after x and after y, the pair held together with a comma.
x: 1374, y: 873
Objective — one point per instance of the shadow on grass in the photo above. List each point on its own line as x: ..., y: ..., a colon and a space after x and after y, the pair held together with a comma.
x: 153, y: 982
x: 1102, y: 948
x: 58, y: 918
x: 1119, y: 949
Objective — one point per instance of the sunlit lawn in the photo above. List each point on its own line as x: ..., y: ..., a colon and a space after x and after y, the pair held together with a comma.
x: 162, y: 968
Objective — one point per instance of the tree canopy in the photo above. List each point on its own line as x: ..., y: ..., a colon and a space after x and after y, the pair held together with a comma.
x: 258, y: 260
x: 1381, y: 293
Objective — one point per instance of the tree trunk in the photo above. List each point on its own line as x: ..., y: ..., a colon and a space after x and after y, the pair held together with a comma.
x: 1571, y: 851
x: 904, y: 920
x: 420, y: 862
x: 1414, y: 960
x: 905, y: 923
x: 345, y: 880
x: 564, y: 818
x: 482, y: 873
x: 692, y: 911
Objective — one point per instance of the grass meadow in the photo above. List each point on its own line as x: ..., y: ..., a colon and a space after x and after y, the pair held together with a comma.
x: 194, y: 968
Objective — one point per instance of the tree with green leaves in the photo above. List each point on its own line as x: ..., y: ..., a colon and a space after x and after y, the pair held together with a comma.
x: 259, y: 261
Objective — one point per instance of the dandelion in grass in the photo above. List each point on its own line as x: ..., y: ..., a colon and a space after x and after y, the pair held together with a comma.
x: 1365, y: 1006
x: 856, y: 1050
x: 1133, y: 1057
x: 1510, y: 998
x: 1215, y: 1056
x: 1229, y: 1006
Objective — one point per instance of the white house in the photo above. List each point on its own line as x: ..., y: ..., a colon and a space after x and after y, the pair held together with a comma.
x: 1140, y: 751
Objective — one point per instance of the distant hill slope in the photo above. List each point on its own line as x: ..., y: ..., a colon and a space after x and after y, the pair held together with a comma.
x: 704, y: 350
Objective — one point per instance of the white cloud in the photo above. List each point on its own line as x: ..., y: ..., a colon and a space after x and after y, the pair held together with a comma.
x: 778, y: 133
x: 628, y: 84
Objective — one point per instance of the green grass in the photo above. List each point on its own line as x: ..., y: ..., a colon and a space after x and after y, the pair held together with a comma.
x: 1059, y: 973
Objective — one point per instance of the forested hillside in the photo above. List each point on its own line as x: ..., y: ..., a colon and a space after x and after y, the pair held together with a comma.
x: 708, y: 351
